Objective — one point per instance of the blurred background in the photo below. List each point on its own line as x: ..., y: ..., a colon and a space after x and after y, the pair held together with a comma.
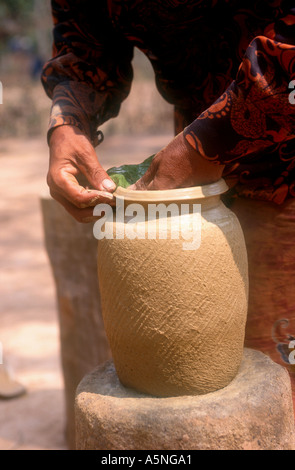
x: 29, y: 331
x: 25, y: 43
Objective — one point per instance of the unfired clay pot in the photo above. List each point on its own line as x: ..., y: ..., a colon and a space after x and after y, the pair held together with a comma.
x: 175, y: 317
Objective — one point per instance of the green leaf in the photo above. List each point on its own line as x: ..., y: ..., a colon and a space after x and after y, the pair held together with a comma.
x: 126, y: 175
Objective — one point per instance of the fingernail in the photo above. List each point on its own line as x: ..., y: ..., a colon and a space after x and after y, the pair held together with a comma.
x: 108, y: 185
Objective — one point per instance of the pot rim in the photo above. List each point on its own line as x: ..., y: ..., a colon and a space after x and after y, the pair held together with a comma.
x: 180, y: 194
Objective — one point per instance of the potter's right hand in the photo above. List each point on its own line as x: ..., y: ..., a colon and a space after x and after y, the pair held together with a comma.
x: 178, y: 165
x: 71, y: 153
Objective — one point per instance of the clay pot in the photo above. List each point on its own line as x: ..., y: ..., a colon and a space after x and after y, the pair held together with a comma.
x: 175, y: 314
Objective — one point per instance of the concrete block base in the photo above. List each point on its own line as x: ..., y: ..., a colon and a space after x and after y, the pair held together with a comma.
x: 254, y: 412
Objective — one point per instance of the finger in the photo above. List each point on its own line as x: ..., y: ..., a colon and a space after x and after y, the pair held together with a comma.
x: 84, y: 215
x: 81, y: 215
x: 95, y: 173
x: 142, y: 185
x: 66, y: 185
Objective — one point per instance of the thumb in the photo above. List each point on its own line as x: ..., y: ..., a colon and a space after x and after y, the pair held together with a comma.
x: 96, y: 175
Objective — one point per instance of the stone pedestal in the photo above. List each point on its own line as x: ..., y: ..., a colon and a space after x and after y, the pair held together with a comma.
x: 254, y: 412
x: 72, y: 251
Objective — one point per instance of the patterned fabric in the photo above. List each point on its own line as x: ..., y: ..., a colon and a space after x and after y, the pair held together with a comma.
x: 225, y: 65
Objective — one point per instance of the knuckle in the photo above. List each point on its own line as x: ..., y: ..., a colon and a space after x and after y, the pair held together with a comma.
x: 54, y: 180
x: 49, y: 180
x: 52, y: 194
x: 96, y: 173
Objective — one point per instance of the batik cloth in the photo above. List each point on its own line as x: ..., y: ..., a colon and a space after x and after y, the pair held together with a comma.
x: 227, y: 66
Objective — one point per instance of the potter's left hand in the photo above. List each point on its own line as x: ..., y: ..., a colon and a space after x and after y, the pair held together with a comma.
x: 178, y: 165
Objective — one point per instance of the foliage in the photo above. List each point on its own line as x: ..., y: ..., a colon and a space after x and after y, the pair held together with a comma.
x: 126, y: 175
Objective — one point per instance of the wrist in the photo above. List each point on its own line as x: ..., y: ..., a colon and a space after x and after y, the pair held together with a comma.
x: 73, y: 105
x: 63, y: 132
x: 205, y: 170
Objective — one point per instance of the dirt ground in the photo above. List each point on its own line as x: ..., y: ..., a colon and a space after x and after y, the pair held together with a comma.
x: 28, y: 319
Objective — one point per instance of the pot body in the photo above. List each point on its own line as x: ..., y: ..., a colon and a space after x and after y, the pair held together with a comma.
x: 175, y: 317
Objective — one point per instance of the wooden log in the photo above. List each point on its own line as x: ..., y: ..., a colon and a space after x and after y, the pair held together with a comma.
x: 72, y: 252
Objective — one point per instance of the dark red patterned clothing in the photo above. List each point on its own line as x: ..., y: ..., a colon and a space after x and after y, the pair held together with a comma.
x: 225, y: 65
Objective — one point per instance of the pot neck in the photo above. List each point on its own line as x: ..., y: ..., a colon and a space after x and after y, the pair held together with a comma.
x: 207, y: 196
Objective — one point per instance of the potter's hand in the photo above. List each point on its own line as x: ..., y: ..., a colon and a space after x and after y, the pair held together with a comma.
x: 71, y: 154
x: 178, y: 165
